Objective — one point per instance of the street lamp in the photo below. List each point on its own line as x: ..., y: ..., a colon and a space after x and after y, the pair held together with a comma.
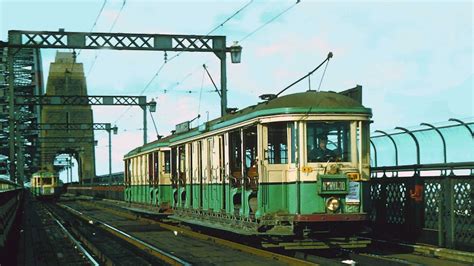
x: 152, y: 106
x: 235, y: 52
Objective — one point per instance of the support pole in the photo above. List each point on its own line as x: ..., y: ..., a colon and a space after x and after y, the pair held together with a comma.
x: 11, y: 114
x: 70, y: 169
x: 144, y: 125
x: 222, y: 57
x: 110, y: 156
x: 20, y: 160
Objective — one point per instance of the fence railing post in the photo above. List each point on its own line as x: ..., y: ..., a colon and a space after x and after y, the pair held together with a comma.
x: 441, y: 214
x: 450, y: 225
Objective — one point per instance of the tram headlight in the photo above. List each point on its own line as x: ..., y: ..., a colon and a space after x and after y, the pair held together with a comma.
x: 333, y: 204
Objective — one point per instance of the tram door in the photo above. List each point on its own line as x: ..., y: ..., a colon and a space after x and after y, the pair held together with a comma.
x: 275, y: 163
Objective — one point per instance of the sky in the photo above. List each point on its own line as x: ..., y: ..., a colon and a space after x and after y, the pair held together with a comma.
x: 413, y: 59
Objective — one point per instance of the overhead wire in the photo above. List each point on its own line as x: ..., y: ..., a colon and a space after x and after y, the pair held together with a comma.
x: 231, y: 17
x: 110, y: 30
x: 92, y: 28
x: 269, y: 21
x: 179, y: 53
x: 263, y: 25
x: 210, y: 32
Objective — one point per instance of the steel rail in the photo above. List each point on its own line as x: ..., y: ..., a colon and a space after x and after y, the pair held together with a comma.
x: 183, y: 262
x: 76, y: 242
x: 161, y: 253
x: 220, y: 241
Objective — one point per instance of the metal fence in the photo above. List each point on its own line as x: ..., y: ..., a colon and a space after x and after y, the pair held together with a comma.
x: 424, y: 203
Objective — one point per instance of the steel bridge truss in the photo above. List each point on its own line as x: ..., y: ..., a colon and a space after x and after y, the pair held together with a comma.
x: 82, y: 100
x: 70, y: 126
x: 119, y: 41
x: 19, y: 81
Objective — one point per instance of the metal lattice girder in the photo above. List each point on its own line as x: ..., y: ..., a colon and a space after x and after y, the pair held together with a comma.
x: 66, y: 139
x: 117, y: 41
x: 69, y: 126
x: 81, y: 100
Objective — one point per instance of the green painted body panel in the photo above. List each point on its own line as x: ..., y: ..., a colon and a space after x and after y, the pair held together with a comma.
x: 149, y: 195
x: 271, y: 198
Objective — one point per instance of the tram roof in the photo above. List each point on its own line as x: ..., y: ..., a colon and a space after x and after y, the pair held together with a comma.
x: 309, y: 102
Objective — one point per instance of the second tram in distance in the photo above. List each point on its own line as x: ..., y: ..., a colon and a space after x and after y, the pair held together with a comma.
x: 291, y: 165
x: 45, y: 184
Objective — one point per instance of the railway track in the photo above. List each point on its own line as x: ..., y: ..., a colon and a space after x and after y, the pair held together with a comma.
x: 368, y: 256
x: 192, y: 246
x: 102, y: 244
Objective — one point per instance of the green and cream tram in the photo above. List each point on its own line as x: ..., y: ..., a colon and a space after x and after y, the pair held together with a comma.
x: 45, y: 184
x: 290, y: 165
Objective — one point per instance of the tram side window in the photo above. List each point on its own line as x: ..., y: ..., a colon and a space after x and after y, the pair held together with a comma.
x: 173, y: 162
x: 250, y: 146
x: 150, y: 168
x: 182, y: 161
x: 328, y: 141
x: 235, y: 153
x: 47, y: 181
x: 277, y: 149
x: 155, y: 166
x: 128, y: 170
x: 167, y: 163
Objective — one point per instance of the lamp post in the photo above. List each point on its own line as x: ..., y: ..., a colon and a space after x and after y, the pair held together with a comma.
x: 235, y: 56
x: 110, y: 130
x: 152, y: 106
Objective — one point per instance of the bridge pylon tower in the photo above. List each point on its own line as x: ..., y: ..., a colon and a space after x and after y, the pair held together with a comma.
x: 66, y: 78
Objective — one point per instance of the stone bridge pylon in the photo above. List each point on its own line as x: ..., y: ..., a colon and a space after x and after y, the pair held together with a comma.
x: 66, y: 78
